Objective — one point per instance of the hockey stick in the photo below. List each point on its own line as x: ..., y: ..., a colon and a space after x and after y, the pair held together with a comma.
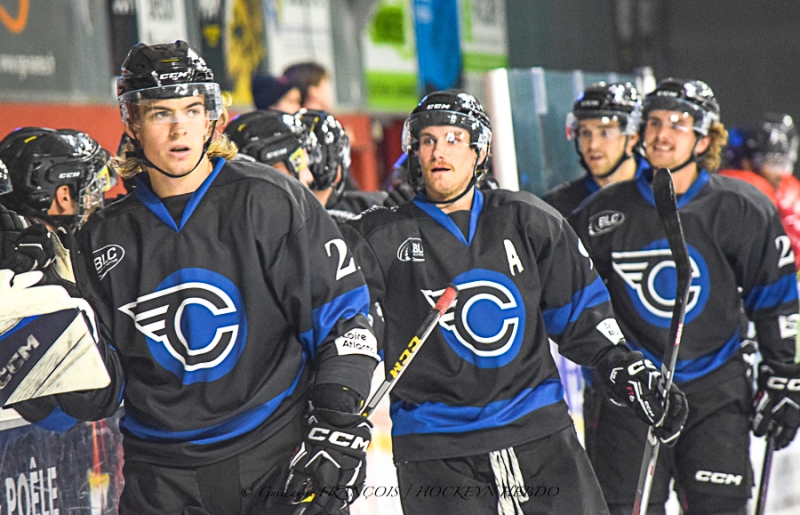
x: 761, y: 503
x: 400, y: 366
x: 664, y: 193
x: 444, y: 303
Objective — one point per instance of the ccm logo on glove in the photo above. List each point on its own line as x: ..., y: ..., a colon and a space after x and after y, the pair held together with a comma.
x: 339, y: 438
x: 782, y: 383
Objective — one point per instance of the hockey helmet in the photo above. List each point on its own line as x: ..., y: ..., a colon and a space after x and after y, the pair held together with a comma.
x: 272, y: 137
x: 774, y: 140
x: 170, y: 70
x: 41, y: 160
x: 448, y: 108
x: 686, y: 96
x: 617, y: 101
x: 334, y: 148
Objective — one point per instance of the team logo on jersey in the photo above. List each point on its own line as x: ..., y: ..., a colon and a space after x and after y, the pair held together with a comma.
x: 194, y: 323
x: 486, y: 324
x: 106, y: 258
x: 605, y: 221
x: 411, y: 250
x: 651, y: 280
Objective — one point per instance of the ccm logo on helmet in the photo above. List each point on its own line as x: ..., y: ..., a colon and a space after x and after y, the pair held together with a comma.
x: 439, y: 106
x: 782, y: 383
x: 339, y: 438
x: 719, y: 478
x: 174, y: 75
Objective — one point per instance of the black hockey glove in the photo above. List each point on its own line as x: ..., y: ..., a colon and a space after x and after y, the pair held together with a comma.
x: 399, y: 195
x: 330, y: 463
x: 777, y: 402
x: 635, y: 381
x: 33, y: 250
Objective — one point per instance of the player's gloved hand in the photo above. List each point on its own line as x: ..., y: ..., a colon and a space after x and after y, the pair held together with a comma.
x: 635, y: 381
x: 399, y: 195
x: 777, y: 402
x: 330, y: 462
x: 21, y: 296
x: 33, y: 250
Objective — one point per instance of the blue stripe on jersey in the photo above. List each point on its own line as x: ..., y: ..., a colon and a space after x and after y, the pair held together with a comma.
x: 688, y: 369
x: 772, y: 295
x: 590, y: 183
x: 643, y: 183
x: 145, y: 194
x: 231, y: 428
x: 56, y: 421
x: 437, y: 417
x: 343, y: 307
x: 557, y: 319
x: 446, y: 222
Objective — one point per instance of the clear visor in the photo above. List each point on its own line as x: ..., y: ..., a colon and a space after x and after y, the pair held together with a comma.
x: 178, y: 103
x: 701, y: 120
x: 419, y: 121
x: 627, y: 124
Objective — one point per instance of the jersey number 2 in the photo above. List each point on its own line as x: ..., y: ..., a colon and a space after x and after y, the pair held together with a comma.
x: 785, y: 246
x: 342, y: 270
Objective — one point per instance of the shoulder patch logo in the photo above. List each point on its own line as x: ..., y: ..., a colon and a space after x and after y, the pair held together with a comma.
x: 605, y: 221
x: 411, y: 250
x: 107, y: 258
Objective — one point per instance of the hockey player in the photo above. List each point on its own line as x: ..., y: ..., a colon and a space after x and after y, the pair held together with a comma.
x: 225, y: 296
x: 766, y: 158
x: 739, y: 254
x: 482, y: 406
x: 331, y: 170
x: 604, y: 125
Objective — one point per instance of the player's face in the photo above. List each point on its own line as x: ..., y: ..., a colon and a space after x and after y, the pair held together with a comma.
x: 446, y: 159
x: 173, y: 132
x: 669, y: 138
x: 602, y: 144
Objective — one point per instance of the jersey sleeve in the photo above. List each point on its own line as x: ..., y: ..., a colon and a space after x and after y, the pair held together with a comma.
x: 765, y: 266
x: 325, y: 297
x: 575, y: 303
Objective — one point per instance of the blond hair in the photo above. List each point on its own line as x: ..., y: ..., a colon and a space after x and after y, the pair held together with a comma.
x: 127, y: 165
x: 711, y: 158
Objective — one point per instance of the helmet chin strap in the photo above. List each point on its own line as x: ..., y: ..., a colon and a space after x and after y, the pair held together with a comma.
x: 624, y: 157
x: 139, y: 154
x: 692, y: 158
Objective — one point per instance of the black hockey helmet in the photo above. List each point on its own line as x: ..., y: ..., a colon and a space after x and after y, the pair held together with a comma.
x: 169, y: 70
x: 334, y: 145
x: 41, y: 160
x: 448, y: 108
x: 775, y: 139
x: 617, y: 101
x: 5, y: 179
x: 272, y: 137
x: 687, y: 96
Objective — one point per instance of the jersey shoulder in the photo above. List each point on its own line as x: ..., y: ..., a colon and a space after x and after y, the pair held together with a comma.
x: 741, y: 194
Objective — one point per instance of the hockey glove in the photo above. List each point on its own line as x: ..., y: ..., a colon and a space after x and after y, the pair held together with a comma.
x: 636, y: 382
x: 399, y: 195
x: 33, y: 250
x: 777, y: 402
x: 328, y: 470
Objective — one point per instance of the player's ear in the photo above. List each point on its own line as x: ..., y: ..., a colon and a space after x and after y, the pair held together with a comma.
x: 702, y: 145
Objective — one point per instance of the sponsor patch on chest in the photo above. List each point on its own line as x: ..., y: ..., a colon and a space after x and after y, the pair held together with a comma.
x: 411, y: 250
x: 357, y: 341
x: 605, y: 221
x: 106, y: 258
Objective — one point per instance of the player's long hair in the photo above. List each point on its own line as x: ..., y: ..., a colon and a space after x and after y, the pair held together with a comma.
x: 712, y: 157
x: 127, y: 165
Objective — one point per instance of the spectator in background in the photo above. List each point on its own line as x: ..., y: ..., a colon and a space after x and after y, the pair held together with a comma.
x: 765, y: 158
x: 314, y: 84
x: 276, y: 93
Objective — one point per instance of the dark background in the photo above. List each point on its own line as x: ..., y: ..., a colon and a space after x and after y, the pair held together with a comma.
x: 747, y: 51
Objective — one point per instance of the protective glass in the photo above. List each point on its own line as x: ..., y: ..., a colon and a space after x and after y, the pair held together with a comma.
x: 92, y: 195
x: 451, y: 142
x: 678, y: 122
x: 144, y: 103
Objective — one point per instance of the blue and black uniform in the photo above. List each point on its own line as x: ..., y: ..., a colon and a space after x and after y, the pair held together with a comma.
x: 740, y: 255
x: 484, y: 392
x: 218, y: 312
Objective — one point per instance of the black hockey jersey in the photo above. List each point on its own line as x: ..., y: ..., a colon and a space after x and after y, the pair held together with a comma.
x: 346, y: 205
x: 485, y: 379
x: 218, y: 323
x: 566, y: 197
x: 735, y: 240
